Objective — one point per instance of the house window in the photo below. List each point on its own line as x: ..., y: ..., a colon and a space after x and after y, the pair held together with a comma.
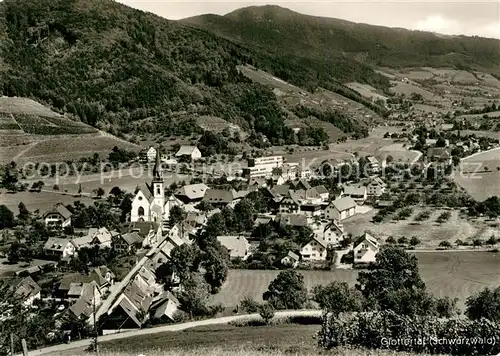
x: 140, y: 211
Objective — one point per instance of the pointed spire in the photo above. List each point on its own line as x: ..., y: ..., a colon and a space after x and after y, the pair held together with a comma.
x: 157, y: 172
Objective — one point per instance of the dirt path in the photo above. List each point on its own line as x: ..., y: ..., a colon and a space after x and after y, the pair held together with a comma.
x: 167, y: 328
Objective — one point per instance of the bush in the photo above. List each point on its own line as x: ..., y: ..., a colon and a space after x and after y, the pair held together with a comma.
x: 249, y: 305
x: 414, y: 241
x: 446, y: 244
x: 379, y: 329
x: 266, y: 312
x: 390, y: 240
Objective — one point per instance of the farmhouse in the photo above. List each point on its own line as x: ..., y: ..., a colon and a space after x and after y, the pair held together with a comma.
x: 191, y: 193
x: 341, y: 209
x: 290, y: 204
x: 366, y: 251
x: 164, y: 306
x: 190, y: 152
x: 125, y: 243
x: 220, y: 198
x: 314, y: 250
x: 149, y: 232
x: 59, y: 247
x: 238, y: 246
x: 290, y: 260
x: 58, y: 217
x: 101, y: 237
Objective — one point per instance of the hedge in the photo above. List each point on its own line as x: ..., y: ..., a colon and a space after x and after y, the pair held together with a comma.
x: 420, y: 334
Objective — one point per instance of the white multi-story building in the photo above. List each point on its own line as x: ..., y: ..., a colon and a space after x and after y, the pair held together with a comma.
x: 262, y: 167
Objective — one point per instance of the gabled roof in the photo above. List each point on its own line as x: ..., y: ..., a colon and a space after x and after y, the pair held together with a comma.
x: 141, y: 227
x: 292, y: 219
x: 146, y: 190
x: 262, y: 220
x: 302, y: 182
x: 378, y: 181
x: 334, y: 225
x: 132, y: 238
x: 350, y: 189
x: 186, y: 150
x: 27, y: 288
x: 321, y: 189
x: 344, y: 203
x: 293, y: 255
x: 291, y: 198
x: 102, y: 235
x: 318, y: 240
x: 218, y: 196
x: 438, y: 152
x: 60, y: 209
x: 280, y: 190
x: 372, y: 160
x: 56, y: 244
x: 82, y: 307
x: 236, y: 245
x: 193, y: 191
x: 370, y: 239
x: 196, y: 218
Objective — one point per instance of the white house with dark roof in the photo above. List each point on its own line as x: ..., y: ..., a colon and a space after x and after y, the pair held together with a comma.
x: 192, y: 152
x: 366, y: 251
x: 341, y: 209
x: 58, y: 217
x: 314, y: 250
x: 238, y: 246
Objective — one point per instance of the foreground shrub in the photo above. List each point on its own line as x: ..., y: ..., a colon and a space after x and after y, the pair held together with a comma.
x: 424, y: 334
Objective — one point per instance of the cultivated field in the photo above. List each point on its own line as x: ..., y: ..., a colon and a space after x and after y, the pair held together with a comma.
x: 481, y: 185
x: 7, y: 269
x: 366, y: 91
x: 453, y: 274
x: 399, y: 153
x: 429, y: 232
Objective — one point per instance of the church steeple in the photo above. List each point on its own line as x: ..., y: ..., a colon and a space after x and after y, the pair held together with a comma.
x: 157, y: 172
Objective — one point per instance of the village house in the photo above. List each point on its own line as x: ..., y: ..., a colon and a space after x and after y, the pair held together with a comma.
x: 439, y: 155
x: 150, y: 232
x: 101, y: 237
x: 373, y: 165
x: 341, y: 209
x: 164, y: 306
x: 376, y: 187
x: 220, y: 198
x: 191, y: 193
x: 311, y: 210
x: 331, y: 167
x: 79, y: 289
x: 333, y: 233
x: 314, y: 250
x: 58, y: 217
x: 357, y: 192
x: 238, y: 246
x: 318, y: 193
x: 290, y: 260
x: 366, y: 251
x: 290, y: 204
x: 61, y: 248
x: 192, y: 153
x: 90, y: 297
x: 300, y: 184
x: 262, y: 220
x: 292, y: 220
x: 148, y: 154
x: 27, y: 290
x: 124, y: 243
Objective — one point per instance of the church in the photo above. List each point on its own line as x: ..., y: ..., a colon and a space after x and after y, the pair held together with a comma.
x: 149, y: 203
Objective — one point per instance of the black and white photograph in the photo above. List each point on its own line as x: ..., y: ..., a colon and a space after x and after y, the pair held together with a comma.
x: 249, y: 178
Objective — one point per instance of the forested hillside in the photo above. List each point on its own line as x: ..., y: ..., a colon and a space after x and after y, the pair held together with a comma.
x: 326, y: 40
x: 110, y: 65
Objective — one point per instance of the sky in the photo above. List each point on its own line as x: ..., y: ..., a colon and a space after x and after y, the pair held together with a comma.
x: 473, y: 17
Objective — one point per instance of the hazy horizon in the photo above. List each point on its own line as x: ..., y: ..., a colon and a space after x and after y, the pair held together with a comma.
x: 471, y: 18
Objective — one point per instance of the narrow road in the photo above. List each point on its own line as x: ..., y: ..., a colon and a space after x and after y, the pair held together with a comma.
x: 167, y: 328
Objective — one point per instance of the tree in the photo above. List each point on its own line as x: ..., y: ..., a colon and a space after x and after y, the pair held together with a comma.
x: 99, y: 192
x: 194, y: 296
x: 24, y: 213
x: 414, y: 241
x: 485, y: 304
x: 266, y: 312
x: 249, y: 305
x: 184, y: 260
x: 338, y: 297
x: 116, y: 192
x: 6, y: 217
x: 177, y: 215
x: 215, y: 263
x: 287, y: 291
x: 393, y: 283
